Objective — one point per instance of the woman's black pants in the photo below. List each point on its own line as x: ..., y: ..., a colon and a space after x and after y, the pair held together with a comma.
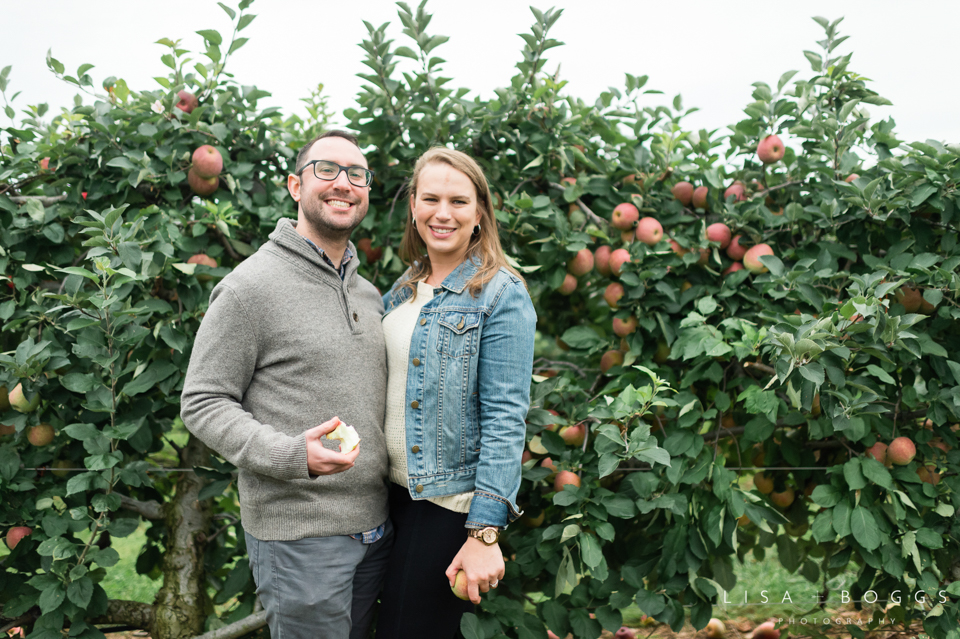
x: 417, y: 602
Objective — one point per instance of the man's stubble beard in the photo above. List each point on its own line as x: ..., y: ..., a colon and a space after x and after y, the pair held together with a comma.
x: 322, y: 224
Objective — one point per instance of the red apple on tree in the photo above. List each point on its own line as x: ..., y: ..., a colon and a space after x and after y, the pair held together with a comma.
x: 574, y: 435
x: 613, y: 293
x: 617, y: 259
x: 15, y: 534
x: 565, y: 477
x: 581, y: 263
x: 751, y: 259
x: 734, y: 251
x: 676, y: 248
x: 204, y: 187
x: 373, y: 253
x: 737, y: 191
x: 770, y: 149
x: 699, y: 199
x: 879, y: 452
x: 40, y: 435
x: 601, y: 260
x: 207, y: 161
x: 610, y: 359
x: 624, y: 216
x: 733, y: 268
x: 188, y: 101
x: 569, y: 285
x: 683, y: 191
x: 719, y: 232
x: 649, y: 231
x: 901, y: 451
x: 622, y: 328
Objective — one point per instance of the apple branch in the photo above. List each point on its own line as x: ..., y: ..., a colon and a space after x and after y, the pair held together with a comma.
x: 764, y: 192
x: 147, y: 509
x: 45, y: 200
x: 596, y: 219
x: 127, y: 613
x: 238, y: 628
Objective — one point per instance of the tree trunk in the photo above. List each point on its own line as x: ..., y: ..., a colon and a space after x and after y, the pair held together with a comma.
x: 182, y: 603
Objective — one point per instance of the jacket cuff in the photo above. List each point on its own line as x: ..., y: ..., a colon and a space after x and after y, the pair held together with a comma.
x: 290, y: 458
x: 488, y: 509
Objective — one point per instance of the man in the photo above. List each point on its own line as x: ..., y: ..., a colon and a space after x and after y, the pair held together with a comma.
x: 292, y: 339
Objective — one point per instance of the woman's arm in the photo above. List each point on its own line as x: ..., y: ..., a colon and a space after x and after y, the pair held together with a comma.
x: 503, y: 370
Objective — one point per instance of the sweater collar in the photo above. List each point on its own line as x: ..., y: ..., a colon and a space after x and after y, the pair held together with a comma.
x: 285, y: 235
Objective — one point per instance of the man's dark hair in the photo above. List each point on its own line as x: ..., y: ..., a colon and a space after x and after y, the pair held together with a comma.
x: 334, y: 133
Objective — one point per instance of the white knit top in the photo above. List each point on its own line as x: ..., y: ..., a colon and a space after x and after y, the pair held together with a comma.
x: 398, y: 327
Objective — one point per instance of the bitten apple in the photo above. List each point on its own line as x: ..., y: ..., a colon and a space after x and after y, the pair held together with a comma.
x: 346, y: 435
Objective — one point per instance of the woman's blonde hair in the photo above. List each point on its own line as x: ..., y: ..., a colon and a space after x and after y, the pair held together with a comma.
x: 484, y: 248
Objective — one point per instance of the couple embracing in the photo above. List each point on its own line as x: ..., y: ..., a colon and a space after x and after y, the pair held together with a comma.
x: 434, y: 376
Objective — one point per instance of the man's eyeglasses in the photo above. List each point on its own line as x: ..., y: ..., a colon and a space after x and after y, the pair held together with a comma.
x: 327, y: 170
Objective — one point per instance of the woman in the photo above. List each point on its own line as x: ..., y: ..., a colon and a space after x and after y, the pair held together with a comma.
x: 459, y: 328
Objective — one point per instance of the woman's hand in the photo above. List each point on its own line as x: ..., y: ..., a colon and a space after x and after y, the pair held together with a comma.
x: 482, y: 564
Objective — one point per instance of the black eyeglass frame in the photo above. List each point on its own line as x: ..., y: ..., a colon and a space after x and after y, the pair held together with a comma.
x: 340, y: 169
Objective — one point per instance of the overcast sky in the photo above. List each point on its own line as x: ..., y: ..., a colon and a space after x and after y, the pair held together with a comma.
x: 710, y: 51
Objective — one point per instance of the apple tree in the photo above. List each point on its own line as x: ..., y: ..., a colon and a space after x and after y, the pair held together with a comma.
x: 747, y: 338
x: 108, y: 255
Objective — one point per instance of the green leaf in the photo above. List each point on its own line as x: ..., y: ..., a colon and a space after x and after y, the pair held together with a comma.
x: 214, y: 489
x: 79, y: 382
x: 155, y: 373
x: 875, y: 472
x: 51, y: 598
x: 929, y: 538
x: 245, y: 20
x: 813, y: 372
x: 826, y: 496
x: 82, y: 432
x: 80, y: 591
x: 880, y: 374
x: 854, y: 475
x: 470, y: 626
x: 555, y: 616
x: 863, y: 526
x: 211, y: 36
x: 239, y: 42
x: 590, y: 551
x: 581, y: 337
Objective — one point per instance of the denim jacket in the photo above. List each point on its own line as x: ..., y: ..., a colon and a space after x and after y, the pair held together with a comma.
x: 468, y: 392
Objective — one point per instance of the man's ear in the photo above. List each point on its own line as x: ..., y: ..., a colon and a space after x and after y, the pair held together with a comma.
x: 293, y: 185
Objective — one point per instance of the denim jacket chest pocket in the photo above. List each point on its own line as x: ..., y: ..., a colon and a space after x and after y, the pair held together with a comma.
x: 459, y: 333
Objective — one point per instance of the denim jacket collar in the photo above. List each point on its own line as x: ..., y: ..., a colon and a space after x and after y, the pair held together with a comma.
x: 457, y: 280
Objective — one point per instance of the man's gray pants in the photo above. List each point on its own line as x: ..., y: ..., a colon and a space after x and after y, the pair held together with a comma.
x: 319, y: 587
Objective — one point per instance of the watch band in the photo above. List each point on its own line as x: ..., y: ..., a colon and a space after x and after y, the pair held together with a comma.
x: 488, y: 535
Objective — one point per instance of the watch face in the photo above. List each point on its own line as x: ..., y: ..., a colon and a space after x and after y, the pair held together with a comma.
x: 489, y: 535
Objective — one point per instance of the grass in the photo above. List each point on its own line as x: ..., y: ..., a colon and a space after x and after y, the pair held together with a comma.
x: 122, y: 580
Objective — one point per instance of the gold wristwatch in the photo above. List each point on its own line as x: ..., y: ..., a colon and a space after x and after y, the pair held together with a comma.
x: 489, y: 535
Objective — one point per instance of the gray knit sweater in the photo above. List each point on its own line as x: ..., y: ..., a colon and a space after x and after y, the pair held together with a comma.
x: 285, y: 346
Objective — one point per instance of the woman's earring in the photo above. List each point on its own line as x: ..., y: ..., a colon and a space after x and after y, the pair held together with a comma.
x: 476, y: 230
x: 414, y: 221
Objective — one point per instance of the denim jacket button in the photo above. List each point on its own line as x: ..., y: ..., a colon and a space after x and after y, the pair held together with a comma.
x: 416, y: 361
x: 419, y: 488
x: 414, y: 404
x: 356, y: 317
x: 415, y: 449
x: 423, y: 320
